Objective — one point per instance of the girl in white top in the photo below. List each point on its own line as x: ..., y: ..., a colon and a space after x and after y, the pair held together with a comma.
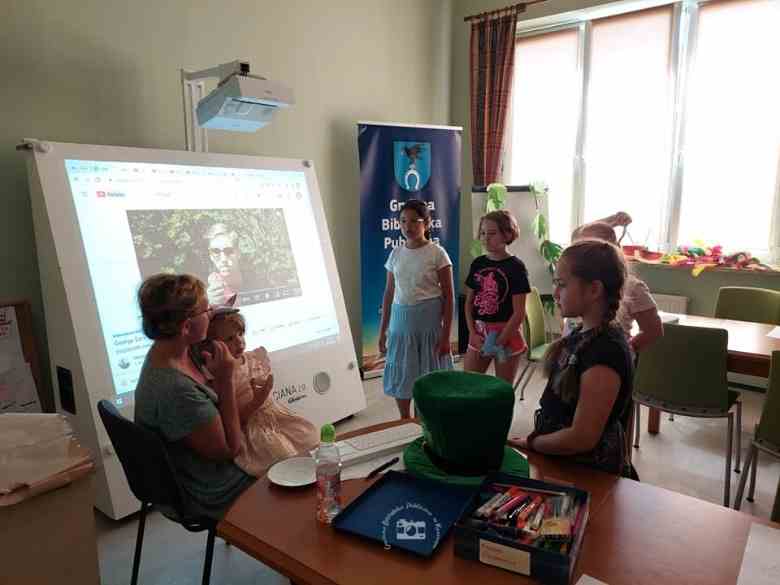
x: 416, y: 308
x: 636, y: 304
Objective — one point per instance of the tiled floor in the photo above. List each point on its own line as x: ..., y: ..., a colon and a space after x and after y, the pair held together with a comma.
x: 687, y: 456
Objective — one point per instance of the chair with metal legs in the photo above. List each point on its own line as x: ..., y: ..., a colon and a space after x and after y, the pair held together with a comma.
x: 766, y: 438
x: 684, y: 373
x: 150, y: 475
x: 536, y: 338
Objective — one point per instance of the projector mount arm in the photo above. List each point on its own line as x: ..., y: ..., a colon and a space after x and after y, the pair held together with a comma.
x: 193, y: 89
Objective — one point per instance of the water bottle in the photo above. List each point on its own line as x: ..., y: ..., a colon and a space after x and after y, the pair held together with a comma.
x: 328, y: 460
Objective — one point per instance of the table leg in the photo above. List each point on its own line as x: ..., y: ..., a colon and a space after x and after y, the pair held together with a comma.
x: 654, y: 421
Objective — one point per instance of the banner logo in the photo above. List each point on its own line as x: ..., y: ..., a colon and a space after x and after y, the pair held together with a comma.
x: 412, y: 164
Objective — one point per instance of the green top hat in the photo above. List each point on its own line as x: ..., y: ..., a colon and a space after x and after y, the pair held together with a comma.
x: 466, y: 419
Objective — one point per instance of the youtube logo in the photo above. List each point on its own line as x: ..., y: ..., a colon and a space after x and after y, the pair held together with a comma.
x: 101, y: 193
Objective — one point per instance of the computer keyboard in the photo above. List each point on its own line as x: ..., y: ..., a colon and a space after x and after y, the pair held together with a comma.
x: 371, y: 445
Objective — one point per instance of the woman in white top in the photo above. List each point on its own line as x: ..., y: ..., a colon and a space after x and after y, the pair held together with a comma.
x: 416, y: 308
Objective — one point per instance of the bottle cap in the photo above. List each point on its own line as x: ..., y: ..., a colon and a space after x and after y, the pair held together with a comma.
x: 328, y: 433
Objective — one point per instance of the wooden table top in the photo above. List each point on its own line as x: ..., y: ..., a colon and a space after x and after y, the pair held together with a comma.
x: 277, y: 526
x: 745, y: 338
x: 637, y: 534
x: 647, y: 535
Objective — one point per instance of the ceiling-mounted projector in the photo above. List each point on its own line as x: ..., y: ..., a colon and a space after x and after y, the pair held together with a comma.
x: 242, y: 103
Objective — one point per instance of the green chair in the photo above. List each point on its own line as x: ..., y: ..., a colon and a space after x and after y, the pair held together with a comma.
x: 535, y: 337
x: 766, y: 437
x: 684, y: 373
x: 757, y: 305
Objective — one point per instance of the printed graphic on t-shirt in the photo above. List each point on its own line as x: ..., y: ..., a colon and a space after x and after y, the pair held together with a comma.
x: 493, y: 289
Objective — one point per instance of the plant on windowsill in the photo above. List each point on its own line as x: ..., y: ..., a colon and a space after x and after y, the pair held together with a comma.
x: 550, y: 251
x: 496, y: 199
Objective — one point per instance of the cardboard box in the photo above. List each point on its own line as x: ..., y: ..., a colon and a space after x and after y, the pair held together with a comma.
x: 491, y: 548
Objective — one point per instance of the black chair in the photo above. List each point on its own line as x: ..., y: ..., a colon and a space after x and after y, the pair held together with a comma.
x: 150, y: 475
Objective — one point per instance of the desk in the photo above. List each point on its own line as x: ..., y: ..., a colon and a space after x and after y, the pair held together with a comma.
x: 749, y: 348
x: 647, y: 535
x: 629, y: 521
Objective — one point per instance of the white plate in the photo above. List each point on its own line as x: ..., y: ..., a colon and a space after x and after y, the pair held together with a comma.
x: 293, y: 472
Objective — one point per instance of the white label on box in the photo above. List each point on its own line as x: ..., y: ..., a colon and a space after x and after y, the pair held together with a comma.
x: 505, y: 557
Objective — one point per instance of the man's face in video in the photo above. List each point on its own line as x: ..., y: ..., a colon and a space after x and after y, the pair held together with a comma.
x: 224, y: 254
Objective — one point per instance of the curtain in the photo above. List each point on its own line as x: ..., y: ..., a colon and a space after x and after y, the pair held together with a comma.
x: 492, y: 69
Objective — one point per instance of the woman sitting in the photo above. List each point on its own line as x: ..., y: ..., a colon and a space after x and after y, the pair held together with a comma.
x: 590, y: 371
x: 194, y: 409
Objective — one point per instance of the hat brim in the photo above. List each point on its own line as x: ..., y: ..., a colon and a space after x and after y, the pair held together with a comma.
x: 417, y: 462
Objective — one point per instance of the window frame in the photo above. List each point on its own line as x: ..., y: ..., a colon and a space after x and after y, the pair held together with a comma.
x: 685, y: 21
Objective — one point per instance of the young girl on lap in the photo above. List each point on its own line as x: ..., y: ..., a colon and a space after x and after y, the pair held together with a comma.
x: 270, y: 431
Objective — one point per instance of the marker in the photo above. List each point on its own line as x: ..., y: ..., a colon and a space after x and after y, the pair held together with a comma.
x: 523, y: 516
x: 382, y: 467
x: 503, y: 512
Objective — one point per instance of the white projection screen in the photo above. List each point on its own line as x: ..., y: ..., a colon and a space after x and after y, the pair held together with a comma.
x: 107, y: 217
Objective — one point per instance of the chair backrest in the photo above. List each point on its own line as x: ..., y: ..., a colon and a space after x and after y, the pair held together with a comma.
x: 143, y: 457
x: 757, y: 305
x: 685, y: 368
x: 534, y: 314
x: 769, y: 427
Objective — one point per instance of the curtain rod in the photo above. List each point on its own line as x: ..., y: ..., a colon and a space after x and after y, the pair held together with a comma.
x: 519, y: 7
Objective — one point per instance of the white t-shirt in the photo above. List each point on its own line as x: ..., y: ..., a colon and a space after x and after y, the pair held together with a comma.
x: 636, y: 299
x: 416, y: 272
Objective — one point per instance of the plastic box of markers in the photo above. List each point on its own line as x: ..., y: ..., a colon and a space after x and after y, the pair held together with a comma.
x: 544, y: 554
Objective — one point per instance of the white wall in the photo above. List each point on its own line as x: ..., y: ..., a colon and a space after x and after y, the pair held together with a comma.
x: 106, y: 72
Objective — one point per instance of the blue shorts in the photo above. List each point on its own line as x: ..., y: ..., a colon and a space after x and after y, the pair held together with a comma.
x: 412, y: 342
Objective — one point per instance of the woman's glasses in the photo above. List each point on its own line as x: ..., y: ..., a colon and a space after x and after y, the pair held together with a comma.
x: 209, y: 310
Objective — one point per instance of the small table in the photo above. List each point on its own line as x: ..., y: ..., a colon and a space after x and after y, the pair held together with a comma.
x: 638, y: 535
x: 749, y: 350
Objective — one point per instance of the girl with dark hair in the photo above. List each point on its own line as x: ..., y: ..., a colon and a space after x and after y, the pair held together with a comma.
x: 416, y: 308
x: 584, y: 407
x: 193, y: 408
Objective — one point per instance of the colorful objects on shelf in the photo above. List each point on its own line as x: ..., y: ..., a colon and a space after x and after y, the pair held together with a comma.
x: 699, y: 257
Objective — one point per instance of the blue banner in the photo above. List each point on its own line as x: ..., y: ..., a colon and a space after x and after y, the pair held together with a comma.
x: 398, y: 163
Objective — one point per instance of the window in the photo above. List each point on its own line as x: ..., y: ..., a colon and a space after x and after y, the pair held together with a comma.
x: 628, y: 121
x: 544, y: 117
x: 732, y: 133
x: 669, y: 113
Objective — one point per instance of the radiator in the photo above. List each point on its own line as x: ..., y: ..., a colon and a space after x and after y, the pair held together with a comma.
x: 671, y: 303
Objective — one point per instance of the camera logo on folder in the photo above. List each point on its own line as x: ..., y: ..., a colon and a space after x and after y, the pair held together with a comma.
x: 410, y: 529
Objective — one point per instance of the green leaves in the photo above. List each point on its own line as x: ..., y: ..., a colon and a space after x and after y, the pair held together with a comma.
x: 549, y: 304
x: 539, y: 226
x: 476, y: 249
x: 496, y: 197
x: 551, y: 252
x: 539, y: 188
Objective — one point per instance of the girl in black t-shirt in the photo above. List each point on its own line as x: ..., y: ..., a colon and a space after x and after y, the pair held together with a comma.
x: 495, y: 299
x: 585, y: 405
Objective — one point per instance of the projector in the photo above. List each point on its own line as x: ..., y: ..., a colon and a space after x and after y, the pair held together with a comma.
x: 242, y: 103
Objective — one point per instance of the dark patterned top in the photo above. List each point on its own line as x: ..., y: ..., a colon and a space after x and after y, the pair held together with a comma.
x: 582, y: 350
x: 494, y: 282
